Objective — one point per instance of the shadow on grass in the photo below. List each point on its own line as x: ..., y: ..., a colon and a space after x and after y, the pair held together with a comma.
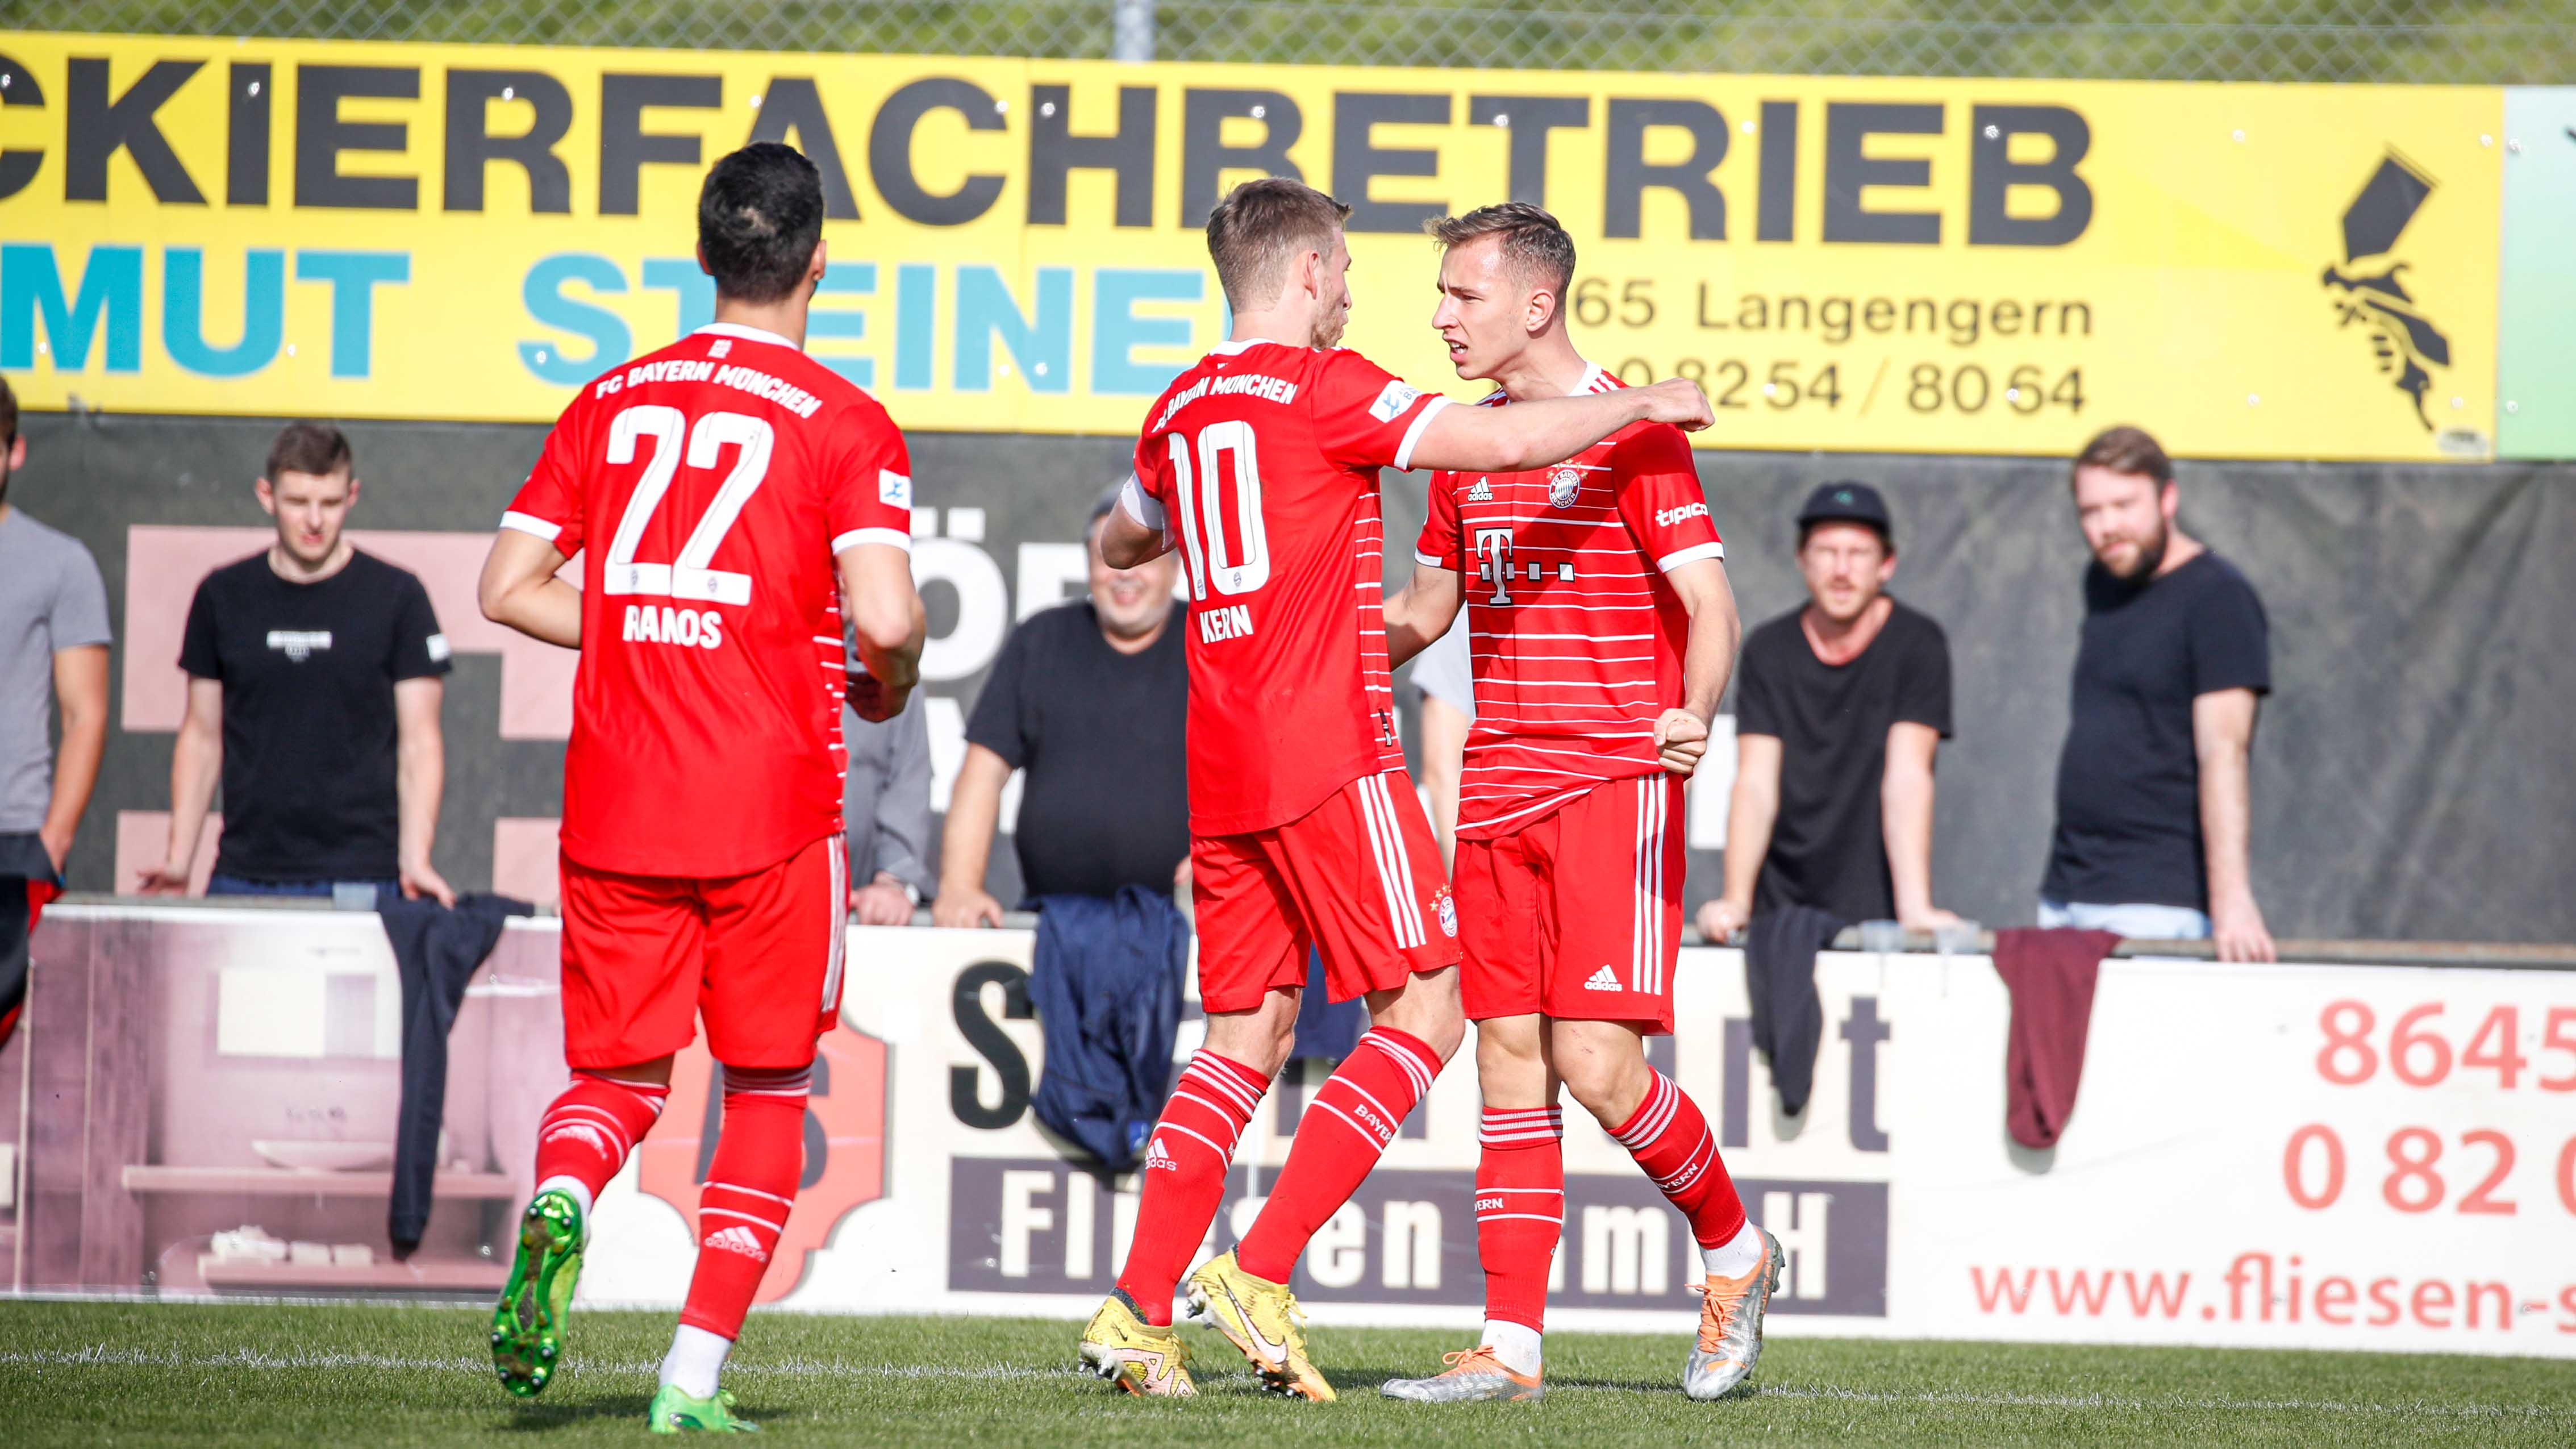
x: 541, y: 1417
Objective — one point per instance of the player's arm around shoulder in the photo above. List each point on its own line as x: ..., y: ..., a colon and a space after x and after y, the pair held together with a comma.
x: 1550, y: 430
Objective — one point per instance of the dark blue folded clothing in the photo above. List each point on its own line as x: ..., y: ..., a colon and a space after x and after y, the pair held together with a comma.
x: 436, y: 951
x: 1106, y: 985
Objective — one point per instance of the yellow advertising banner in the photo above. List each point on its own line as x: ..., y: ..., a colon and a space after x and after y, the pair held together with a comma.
x: 1976, y: 266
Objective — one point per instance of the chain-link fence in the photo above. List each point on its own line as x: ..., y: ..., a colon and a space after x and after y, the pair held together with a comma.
x: 2421, y: 41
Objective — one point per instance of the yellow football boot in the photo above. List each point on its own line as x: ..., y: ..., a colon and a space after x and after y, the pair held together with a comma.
x: 1262, y: 1319
x: 1120, y: 1346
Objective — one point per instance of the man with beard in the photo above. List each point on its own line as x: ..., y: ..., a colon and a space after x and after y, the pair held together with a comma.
x: 2153, y: 799
x: 1088, y: 698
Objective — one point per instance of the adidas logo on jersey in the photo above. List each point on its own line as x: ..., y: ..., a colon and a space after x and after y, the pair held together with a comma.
x: 1483, y: 492
x: 737, y: 1239
x: 1603, y: 980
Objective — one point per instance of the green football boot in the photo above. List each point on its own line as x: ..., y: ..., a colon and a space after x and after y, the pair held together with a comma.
x: 674, y: 1412
x: 528, y: 1323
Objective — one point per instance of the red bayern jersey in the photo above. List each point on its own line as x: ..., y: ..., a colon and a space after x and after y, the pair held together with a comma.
x: 1574, y: 639
x: 708, y: 488
x: 1263, y: 460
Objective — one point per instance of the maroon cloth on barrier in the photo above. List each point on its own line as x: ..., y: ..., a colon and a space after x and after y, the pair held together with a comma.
x: 2051, y: 976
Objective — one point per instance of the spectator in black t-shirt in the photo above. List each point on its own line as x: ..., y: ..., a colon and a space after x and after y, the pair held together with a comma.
x: 1089, y: 698
x: 1839, y: 706
x: 314, y: 679
x: 2153, y: 791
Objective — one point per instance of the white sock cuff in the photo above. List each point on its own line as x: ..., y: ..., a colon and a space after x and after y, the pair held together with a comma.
x: 571, y: 1187
x: 1516, y: 1344
x: 1736, y: 1256
x: 696, y: 1361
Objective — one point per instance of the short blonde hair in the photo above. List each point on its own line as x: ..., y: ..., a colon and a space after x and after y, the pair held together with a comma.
x: 1259, y: 226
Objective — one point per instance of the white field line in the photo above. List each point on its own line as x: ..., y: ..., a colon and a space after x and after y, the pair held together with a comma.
x: 106, y: 1356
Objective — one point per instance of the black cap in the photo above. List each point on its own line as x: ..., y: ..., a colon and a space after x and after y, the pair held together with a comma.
x: 1846, y: 503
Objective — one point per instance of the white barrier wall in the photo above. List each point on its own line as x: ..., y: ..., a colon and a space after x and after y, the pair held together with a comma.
x: 2316, y: 1155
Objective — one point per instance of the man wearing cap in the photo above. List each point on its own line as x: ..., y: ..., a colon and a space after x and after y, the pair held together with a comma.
x: 1840, y: 704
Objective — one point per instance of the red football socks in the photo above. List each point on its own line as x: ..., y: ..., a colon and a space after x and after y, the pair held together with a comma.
x: 1354, y: 1116
x: 1184, y: 1178
x: 1671, y: 1141
x: 592, y: 1129
x: 750, y: 1186
x: 1520, y: 1210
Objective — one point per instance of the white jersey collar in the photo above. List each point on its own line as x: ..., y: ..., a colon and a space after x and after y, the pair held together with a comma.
x: 747, y: 334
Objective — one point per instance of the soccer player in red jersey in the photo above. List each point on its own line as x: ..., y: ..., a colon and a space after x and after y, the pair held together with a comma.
x: 735, y: 504
x: 1261, y: 464
x: 1601, y: 631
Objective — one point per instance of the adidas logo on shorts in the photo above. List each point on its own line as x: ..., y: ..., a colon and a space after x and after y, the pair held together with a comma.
x: 1602, y: 980
x: 737, y: 1240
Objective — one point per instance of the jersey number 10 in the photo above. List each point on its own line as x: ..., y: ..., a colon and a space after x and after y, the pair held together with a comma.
x: 686, y: 577
x: 1203, y: 499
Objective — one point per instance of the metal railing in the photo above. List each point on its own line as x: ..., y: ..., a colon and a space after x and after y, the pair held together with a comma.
x: 2492, y: 955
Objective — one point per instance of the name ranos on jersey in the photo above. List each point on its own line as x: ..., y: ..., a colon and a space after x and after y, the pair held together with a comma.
x: 696, y: 628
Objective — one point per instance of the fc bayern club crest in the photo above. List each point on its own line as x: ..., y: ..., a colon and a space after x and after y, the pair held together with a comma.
x: 1448, y: 909
x: 1563, y: 484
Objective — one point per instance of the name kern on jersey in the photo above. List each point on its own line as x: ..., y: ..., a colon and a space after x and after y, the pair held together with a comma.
x: 1263, y: 459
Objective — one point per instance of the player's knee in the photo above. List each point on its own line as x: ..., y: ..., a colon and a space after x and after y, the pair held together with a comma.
x: 1426, y: 1009
x: 1510, y: 1070
x: 1258, y: 1039
x: 1606, y: 1074
x: 1510, y: 1044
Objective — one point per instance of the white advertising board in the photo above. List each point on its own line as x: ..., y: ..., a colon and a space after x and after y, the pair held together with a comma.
x: 2311, y: 1155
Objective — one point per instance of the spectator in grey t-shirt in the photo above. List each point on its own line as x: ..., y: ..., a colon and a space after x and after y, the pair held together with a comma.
x: 885, y: 812
x: 53, y: 655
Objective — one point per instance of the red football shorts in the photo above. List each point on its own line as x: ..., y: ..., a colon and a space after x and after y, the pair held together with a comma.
x: 759, y: 956
x: 1357, y: 878
x: 1578, y: 914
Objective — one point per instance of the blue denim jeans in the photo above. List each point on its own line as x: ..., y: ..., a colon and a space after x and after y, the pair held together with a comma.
x: 220, y: 884
x: 2137, y: 922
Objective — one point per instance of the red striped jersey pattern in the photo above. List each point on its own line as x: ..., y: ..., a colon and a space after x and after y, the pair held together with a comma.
x: 1573, y: 637
x: 1262, y: 462
x: 709, y: 489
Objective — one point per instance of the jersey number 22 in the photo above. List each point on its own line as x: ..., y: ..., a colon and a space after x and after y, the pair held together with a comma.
x: 686, y: 577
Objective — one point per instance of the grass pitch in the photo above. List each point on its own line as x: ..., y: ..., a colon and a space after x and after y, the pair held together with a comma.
x: 384, y: 1377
